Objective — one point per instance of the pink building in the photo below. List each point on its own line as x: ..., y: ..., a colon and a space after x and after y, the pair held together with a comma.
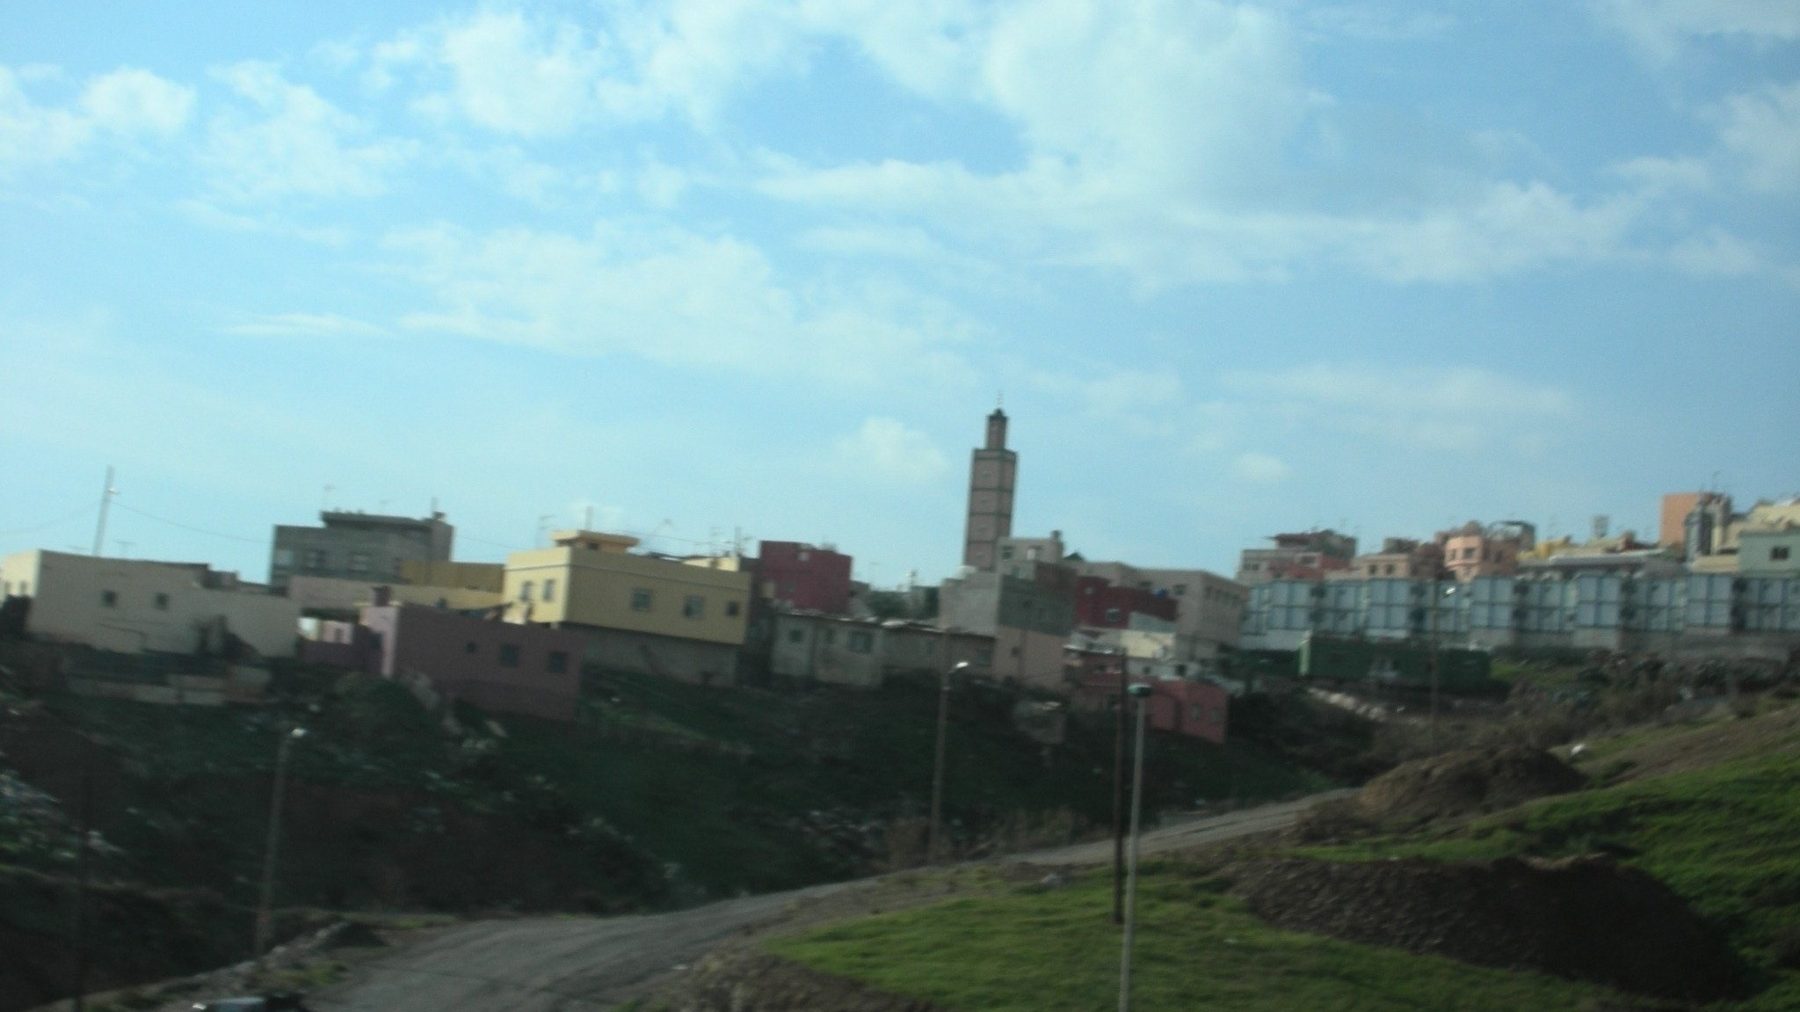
x: 499, y: 666
x: 804, y: 576
x: 1473, y: 550
x: 1195, y: 709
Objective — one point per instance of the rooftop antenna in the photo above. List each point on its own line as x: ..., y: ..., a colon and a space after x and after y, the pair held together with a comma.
x: 124, y: 548
x: 106, y: 497
x: 543, y: 528
x: 325, y: 497
x: 587, y: 518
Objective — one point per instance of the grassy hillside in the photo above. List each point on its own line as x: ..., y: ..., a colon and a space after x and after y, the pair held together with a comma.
x: 1712, y: 812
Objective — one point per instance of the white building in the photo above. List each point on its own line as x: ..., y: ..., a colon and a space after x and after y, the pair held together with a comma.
x: 133, y: 605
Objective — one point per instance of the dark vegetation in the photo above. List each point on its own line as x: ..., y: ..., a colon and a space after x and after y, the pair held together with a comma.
x: 664, y: 794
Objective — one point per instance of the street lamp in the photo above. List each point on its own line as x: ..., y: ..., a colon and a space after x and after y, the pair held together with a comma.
x: 1140, y: 692
x: 937, y: 770
x: 263, y: 907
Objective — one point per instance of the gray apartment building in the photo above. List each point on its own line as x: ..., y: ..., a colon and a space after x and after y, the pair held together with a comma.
x: 357, y: 546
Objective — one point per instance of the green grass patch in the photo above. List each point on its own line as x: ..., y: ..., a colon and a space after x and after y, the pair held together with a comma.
x: 1195, y: 948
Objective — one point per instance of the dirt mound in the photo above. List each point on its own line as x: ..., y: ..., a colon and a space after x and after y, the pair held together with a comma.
x: 1584, y: 918
x: 1459, y: 783
x: 740, y: 981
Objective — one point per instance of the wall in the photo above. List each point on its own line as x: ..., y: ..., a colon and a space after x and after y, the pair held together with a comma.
x: 804, y: 576
x: 829, y: 650
x: 154, y: 605
x: 488, y: 576
x: 1029, y: 657
x: 595, y: 588
x: 328, y: 595
x: 463, y: 657
x: 684, y: 660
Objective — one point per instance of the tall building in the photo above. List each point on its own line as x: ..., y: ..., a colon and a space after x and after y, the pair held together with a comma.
x: 993, y: 470
x: 357, y: 546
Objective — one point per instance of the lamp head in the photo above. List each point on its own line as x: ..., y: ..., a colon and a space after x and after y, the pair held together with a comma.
x: 1139, y: 689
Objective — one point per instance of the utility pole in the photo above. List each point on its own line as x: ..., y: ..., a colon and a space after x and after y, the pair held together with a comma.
x: 1118, y: 914
x: 82, y: 847
x: 1141, y: 694
x: 934, y: 831
x: 106, y: 495
x: 265, y: 904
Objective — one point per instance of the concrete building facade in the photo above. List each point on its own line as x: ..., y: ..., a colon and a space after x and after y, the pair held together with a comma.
x: 993, y: 476
x: 643, y: 613
x: 357, y: 546
x: 806, y: 577
x: 137, y: 605
x: 1302, y: 555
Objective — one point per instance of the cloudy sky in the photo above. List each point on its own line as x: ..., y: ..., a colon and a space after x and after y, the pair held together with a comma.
x: 708, y: 266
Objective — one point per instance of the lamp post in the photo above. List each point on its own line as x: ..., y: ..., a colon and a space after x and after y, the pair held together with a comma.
x: 937, y: 768
x: 1118, y: 806
x: 1140, y: 692
x: 264, y: 913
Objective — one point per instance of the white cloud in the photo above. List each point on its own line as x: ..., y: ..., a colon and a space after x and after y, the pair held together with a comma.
x: 297, y: 143
x: 674, y: 297
x: 887, y: 451
x: 1661, y: 27
x: 1463, y: 408
x: 1260, y: 467
x: 1761, y: 132
x: 126, y: 102
x: 304, y: 325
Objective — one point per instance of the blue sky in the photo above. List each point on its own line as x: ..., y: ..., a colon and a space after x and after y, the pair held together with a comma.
x: 712, y: 266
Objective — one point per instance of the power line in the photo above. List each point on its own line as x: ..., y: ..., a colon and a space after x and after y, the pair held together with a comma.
x: 190, y: 527
x: 82, y: 512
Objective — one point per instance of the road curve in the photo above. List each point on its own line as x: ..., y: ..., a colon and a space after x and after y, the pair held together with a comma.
x: 540, y: 964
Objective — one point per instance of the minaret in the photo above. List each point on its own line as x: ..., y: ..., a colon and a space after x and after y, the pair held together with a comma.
x: 993, y: 469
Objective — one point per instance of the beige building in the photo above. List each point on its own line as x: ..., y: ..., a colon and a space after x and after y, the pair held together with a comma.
x: 330, y: 597
x: 647, y: 614
x: 134, y: 605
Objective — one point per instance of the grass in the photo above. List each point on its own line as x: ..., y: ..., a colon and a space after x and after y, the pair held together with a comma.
x: 1195, y: 948
x: 1722, y: 836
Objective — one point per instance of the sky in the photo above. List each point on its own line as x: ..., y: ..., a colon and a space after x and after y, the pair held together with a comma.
x: 711, y: 269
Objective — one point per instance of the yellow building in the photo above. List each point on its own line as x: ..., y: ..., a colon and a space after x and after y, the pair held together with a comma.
x: 647, y: 613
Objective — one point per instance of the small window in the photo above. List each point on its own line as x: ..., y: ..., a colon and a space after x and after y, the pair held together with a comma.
x: 796, y: 636
x: 359, y: 562
x: 1181, y: 590
x: 549, y: 590
x: 804, y: 555
x: 525, y: 590
x: 693, y: 607
x: 109, y: 599
x: 1006, y: 551
x: 284, y: 558
x: 471, y: 647
x: 827, y: 636
x: 509, y: 655
x: 314, y: 558
x: 557, y: 662
x: 640, y: 599
x: 162, y: 602
x: 1778, y: 553
x: 861, y: 641
x: 1112, y: 614
x: 733, y: 608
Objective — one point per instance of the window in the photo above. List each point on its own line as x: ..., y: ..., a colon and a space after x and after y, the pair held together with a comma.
x: 1389, y: 570
x: 732, y: 608
x: 1778, y: 553
x: 694, y: 606
x: 796, y: 636
x: 359, y: 562
x: 827, y: 637
x: 804, y: 555
x: 284, y: 558
x: 1112, y: 614
x: 549, y: 590
x: 861, y: 641
x: 162, y: 602
x: 109, y: 598
x: 509, y: 655
x: 471, y: 647
x: 1181, y: 590
x: 525, y: 591
x: 640, y: 599
x: 314, y: 559
x: 557, y: 662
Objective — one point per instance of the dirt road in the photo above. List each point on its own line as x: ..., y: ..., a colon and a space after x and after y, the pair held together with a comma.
x: 556, y: 963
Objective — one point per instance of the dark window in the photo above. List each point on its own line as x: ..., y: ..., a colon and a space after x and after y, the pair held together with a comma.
x: 796, y: 636
x: 509, y: 655
x: 861, y: 642
x: 525, y: 591
x: 693, y: 607
x: 359, y: 562
x: 549, y: 590
x: 732, y: 608
x: 162, y: 602
x: 471, y: 647
x: 640, y: 599
x: 109, y: 598
x: 1777, y: 553
x: 314, y: 558
x: 557, y: 662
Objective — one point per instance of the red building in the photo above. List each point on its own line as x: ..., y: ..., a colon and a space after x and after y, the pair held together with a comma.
x: 1102, y: 604
x: 804, y: 576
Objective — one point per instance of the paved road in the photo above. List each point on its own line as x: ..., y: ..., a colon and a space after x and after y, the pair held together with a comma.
x: 570, y: 963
